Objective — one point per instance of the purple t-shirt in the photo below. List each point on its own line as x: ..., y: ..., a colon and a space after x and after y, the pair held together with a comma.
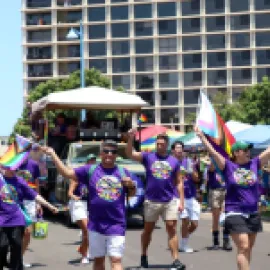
x: 215, y: 180
x: 186, y: 166
x: 161, y: 175
x: 242, y: 186
x: 106, y: 200
x: 10, y: 213
x: 29, y: 171
x: 81, y: 191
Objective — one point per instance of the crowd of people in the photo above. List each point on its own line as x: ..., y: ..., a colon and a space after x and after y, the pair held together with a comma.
x: 97, y: 195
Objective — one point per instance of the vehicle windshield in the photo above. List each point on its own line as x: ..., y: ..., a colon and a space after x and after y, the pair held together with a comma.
x: 79, y: 153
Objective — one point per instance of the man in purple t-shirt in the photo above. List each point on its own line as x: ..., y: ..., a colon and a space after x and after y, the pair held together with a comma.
x: 162, y: 179
x: 191, y: 214
x: 29, y: 171
x: 108, y: 186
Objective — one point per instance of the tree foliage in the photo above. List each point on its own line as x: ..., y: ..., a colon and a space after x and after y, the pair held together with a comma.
x: 92, y: 77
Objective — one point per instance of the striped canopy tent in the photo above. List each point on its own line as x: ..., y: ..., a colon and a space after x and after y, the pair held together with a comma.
x: 149, y: 144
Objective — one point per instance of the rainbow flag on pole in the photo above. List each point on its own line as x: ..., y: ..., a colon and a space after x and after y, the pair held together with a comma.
x: 142, y: 119
x: 213, y: 126
x: 17, y: 153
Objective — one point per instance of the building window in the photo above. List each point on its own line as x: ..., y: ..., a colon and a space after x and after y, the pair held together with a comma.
x: 241, y: 58
x: 117, y: 1
x: 239, y: 6
x: 191, y: 7
x: 97, y: 48
x: 169, y: 116
x: 99, y: 64
x: 119, y: 13
x: 143, y: 11
x: 191, y: 43
x: 144, y: 63
x: 216, y: 77
x: 168, y: 62
x: 39, y: 36
x: 145, y: 81
x: 97, y: 31
x: 166, y: 9
x: 216, y: 59
x: 39, y: 19
x: 215, y: 24
x: 262, y: 39
x: 241, y: 40
x: 262, y: 4
x: 240, y: 22
x: 96, y: 2
x: 215, y: 6
x: 215, y: 42
x: 143, y: 28
x: 241, y: 76
x: 74, y: 16
x: 121, y: 80
x: 96, y: 14
x: 166, y: 27
x: 148, y: 96
x: 263, y: 57
x: 72, y: 67
x: 32, y: 85
x: 120, y: 47
x: 193, y: 78
x: 39, y: 3
x: 169, y: 98
x: 191, y: 25
x: 39, y: 53
x: 150, y: 114
x: 73, y: 51
x: 236, y: 93
x: 168, y: 80
x: 121, y: 65
x: 40, y: 70
x: 144, y: 46
x: 167, y: 45
x: 191, y: 96
x: 263, y: 72
x: 262, y: 20
x: 120, y: 30
x: 192, y: 61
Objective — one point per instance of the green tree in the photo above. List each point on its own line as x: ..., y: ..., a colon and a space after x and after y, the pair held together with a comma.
x: 92, y: 77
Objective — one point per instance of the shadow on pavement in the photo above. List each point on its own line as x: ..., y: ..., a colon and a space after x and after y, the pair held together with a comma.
x: 157, y: 266
x: 37, y: 265
x: 77, y: 262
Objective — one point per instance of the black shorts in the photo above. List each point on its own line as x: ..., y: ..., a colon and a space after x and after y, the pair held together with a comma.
x: 241, y: 224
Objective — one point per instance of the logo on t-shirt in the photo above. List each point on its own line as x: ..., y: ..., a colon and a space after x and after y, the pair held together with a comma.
x: 109, y: 188
x: 26, y: 175
x: 244, y: 177
x: 5, y: 195
x: 161, y: 169
x: 84, y: 191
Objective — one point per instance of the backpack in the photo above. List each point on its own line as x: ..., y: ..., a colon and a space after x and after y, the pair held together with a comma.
x: 122, y: 174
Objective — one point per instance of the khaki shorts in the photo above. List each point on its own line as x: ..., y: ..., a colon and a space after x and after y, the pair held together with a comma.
x: 217, y: 197
x: 153, y: 210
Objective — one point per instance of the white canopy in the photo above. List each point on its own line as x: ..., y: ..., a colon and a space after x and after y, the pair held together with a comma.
x: 235, y: 126
x: 93, y: 97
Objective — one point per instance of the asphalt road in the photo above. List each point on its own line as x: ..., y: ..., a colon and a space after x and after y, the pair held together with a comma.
x: 58, y: 251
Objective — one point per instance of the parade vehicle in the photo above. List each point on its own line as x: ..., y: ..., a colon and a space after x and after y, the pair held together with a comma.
x: 74, y: 154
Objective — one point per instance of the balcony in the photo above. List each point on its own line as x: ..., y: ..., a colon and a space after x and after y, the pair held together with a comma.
x: 69, y: 17
x: 39, y: 3
x: 39, y: 36
x: 39, y: 19
x: 39, y: 53
x: 40, y: 70
x: 71, y: 51
x: 69, y: 3
x: 68, y: 68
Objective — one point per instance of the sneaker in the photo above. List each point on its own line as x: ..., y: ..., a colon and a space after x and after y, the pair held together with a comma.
x: 85, y: 260
x: 214, y: 247
x: 144, y: 261
x: 186, y: 249
x: 27, y: 265
x: 177, y: 265
x: 227, y: 246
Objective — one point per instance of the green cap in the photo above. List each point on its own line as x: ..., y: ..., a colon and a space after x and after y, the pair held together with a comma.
x: 240, y: 145
x: 91, y: 156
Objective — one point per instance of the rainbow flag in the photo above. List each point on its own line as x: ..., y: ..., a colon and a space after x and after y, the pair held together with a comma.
x: 17, y: 153
x: 142, y: 119
x: 213, y: 126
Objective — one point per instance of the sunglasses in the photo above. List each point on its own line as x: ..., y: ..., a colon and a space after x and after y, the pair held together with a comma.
x: 112, y: 151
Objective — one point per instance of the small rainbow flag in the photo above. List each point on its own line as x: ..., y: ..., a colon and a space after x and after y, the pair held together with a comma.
x: 210, y: 122
x: 142, y: 119
x: 17, y: 153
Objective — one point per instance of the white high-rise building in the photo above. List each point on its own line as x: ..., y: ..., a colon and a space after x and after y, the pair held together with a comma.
x: 165, y: 51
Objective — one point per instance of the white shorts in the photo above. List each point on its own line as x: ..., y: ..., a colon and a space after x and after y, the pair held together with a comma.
x: 78, y: 210
x: 31, y: 209
x: 192, y: 210
x: 101, y: 245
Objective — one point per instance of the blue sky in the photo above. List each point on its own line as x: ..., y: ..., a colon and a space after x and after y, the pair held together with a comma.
x: 10, y: 65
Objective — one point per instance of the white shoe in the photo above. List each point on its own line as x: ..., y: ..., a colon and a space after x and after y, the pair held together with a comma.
x: 27, y: 265
x: 85, y: 260
x: 186, y: 249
